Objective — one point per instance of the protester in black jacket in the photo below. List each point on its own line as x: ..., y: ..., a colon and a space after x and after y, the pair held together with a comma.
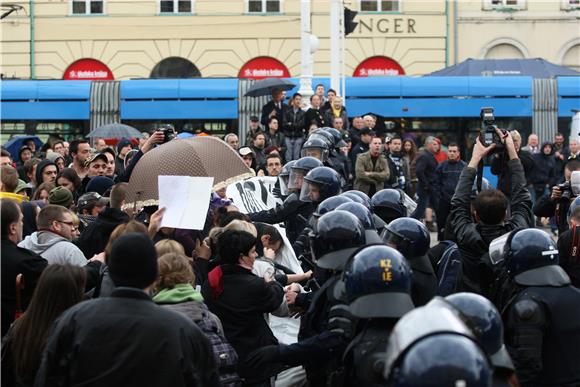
x: 274, y: 108
x: 314, y: 113
x: 240, y: 299
x: 542, y: 175
x: 425, y: 169
x: 474, y: 236
x: 16, y: 260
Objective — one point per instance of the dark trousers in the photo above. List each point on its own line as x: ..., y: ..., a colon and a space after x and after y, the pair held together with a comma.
x: 442, y: 212
x: 425, y: 199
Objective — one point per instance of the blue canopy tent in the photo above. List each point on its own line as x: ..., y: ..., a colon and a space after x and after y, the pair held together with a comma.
x: 536, y: 68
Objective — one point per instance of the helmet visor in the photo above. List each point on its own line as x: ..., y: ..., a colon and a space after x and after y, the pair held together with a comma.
x: 409, y: 203
x: 497, y: 249
x: 283, y: 179
x: 310, y: 192
x: 296, y: 178
x: 394, y: 240
x: 317, y: 153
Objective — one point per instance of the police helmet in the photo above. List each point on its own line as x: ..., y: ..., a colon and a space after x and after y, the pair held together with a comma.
x: 338, y: 141
x: 324, y: 135
x: 389, y: 204
x: 366, y: 201
x: 284, y: 177
x: 485, y: 321
x: 321, y: 183
x: 315, y: 147
x: 300, y: 169
x: 330, y: 204
x: 442, y: 360
x: 530, y: 257
x: 361, y: 212
x: 377, y: 283
x: 338, y: 234
x: 409, y: 236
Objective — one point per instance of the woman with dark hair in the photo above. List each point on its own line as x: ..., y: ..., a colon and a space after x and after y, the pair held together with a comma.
x: 69, y: 179
x: 59, y: 288
x: 42, y: 191
x: 239, y: 298
x: 410, y: 154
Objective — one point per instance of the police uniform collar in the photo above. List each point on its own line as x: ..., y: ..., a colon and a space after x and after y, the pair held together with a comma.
x: 551, y: 275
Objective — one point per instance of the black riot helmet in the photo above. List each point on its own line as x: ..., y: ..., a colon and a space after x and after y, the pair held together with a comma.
x: 409, y: 236
x: 331, y: 204
x: 324, y: 135
x: 338, y: 234
x: 530, y: 257
x: 377, y: 283
x: 300, y: 169
x: 284, y: 177
x: 485, y: 321
x: 338, y: 141
x: 432, y: 346
x: 316, y: 147
x: 443, y: 360
x: 360, y: 211
x: 366, y: 201
x: 389, y: 204
x: 319, y: 184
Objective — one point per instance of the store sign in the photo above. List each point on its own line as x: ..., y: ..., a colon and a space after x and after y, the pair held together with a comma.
x: 387, y: 26
x: 264, y: 67
x: 378, y: 66
x: 88, y: 69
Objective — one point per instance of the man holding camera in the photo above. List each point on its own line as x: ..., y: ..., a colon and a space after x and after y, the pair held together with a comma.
x: 558, y: 201
x: 475, y: 224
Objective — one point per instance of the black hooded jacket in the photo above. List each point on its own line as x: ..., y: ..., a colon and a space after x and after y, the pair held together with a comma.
x: 95, y: 236
x: 39, y: 168
x: 473, y: 238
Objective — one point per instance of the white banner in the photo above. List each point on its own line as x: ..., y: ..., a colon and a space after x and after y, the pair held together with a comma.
x: 253, y: 195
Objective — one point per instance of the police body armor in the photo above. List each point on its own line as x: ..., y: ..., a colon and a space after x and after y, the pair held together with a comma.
x: 561, y: 342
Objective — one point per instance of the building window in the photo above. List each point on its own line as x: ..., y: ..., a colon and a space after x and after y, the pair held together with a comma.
x: 501, y: 4
x: 264, y: 6
x: 568, y: 5
x: 380, y: 5
x: 176, y: 6
x: 87, y: 7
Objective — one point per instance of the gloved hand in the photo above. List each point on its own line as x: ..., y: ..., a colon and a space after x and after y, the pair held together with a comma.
x: 341, y: 321
x: 262, y: 356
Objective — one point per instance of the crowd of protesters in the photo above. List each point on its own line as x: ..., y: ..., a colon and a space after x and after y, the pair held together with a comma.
x: 95, y: 294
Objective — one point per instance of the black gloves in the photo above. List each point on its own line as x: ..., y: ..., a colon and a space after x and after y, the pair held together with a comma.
x: 262, y: 356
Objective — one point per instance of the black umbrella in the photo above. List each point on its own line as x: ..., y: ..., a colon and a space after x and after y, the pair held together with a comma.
x: 266, y: 86
x: 115, y: 130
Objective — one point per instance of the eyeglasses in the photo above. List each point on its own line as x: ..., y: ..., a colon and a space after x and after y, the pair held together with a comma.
x: 70, y: 224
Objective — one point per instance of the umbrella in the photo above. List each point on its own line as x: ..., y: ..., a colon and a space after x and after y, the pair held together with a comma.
x: 197, y: 156
x: 535, y: 67
x: 115, y: 130
x: 266, y: 86
x: 15, y: 143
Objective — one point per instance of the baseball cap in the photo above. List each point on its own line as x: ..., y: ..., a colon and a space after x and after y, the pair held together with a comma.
x: 96, y: 156
x: 245, y: 150
x: 254, y: 118
x: 91, y: 199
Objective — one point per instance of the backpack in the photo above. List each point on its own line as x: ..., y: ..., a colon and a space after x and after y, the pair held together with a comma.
x: 225, y: 355
x: 449, y: 270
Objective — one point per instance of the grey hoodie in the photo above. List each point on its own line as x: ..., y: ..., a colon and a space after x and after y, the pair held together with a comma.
x: 54, y: 248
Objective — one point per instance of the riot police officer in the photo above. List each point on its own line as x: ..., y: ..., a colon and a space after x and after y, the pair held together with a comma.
x: 331, y: 204
x: 541, y: 314
x: 389, y: 204
x: 365, y: 200
x: 485, y: 321
x: 431, y: 346
x: 377, y: 287
x: 316, y: 147
x: 412, y: 239
x: 293, y: 212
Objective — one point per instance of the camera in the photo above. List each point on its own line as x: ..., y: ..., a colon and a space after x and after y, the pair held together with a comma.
x: 168, y: 132
x: 566, y: 189
x: 488, y: 133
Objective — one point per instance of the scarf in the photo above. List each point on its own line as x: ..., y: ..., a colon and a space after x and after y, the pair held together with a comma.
x: 336, y: 112
x: 178, y: 294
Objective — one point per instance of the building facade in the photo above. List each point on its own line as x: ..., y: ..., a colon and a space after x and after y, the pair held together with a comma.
x: 124, y: 39
x: 501, y: 29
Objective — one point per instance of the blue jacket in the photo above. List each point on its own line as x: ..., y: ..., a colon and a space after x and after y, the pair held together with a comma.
x: 448, y: 173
